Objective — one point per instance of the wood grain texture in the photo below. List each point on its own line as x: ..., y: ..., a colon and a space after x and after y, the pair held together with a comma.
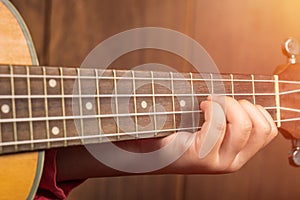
x: 16, y: 50
x: 145, y: 187
x: 35, y: 14
x: 18, y: 173
x: 242, y: 37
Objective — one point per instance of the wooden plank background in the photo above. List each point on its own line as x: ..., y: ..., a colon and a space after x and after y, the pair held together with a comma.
x: 241, y: 36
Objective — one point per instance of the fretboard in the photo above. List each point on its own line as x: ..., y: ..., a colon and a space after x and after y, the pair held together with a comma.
x: 47, y: 107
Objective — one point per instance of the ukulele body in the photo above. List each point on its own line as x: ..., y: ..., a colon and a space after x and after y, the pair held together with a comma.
x: 19, y: 173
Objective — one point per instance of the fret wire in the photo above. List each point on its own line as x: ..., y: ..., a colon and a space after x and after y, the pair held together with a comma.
x: 153, y: 103
x: 212, y: 83
x: 63, y: 104
x: 13, y: 102
x: 98, y: 104
x: 193, y: 100
x: 29, y: 106
x: 46, y: 106
x: 253, y: 89
x: 96, y: 136
x: 277, y: 101
x: 116, y: 104
x: 134, y: 102
x: 80, y: 103
x: 232, y: 85
x: 173, y: 99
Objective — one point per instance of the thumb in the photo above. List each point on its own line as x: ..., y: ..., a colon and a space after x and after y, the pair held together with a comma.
x: 213, y: 129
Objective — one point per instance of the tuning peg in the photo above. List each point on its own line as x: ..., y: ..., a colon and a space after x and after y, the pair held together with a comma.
x: 291, y: 49
x: 294, y: 156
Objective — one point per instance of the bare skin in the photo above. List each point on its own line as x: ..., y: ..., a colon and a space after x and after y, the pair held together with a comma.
x: 243, y: 130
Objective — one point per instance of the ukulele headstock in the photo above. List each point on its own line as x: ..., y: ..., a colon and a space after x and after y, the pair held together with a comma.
x: 289, y: 89
x: 289, y: 94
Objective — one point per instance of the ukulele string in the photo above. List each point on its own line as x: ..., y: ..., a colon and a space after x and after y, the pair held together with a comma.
x: 96, y: 116
x: 44, y: 68
x: 103, y: 135
x: 108, y: 135
x: 60, y: 96
x: 112, y: 115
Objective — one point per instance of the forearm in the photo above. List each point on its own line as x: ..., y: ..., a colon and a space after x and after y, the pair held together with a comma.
x: 77, y: 162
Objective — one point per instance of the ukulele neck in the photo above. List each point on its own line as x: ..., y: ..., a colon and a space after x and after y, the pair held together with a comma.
x: 47, y: 107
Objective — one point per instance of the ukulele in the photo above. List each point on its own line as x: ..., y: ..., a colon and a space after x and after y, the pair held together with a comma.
x: 50, y: 107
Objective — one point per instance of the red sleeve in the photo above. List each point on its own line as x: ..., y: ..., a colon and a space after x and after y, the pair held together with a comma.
x: 49, y: 188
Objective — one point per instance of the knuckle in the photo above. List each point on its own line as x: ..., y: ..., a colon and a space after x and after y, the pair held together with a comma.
x: 224, y: 167
x: 233, y: 168
x: 217, y: 165
x: 244, y: 134
x: 246, y: 126
x: 244, y: 101
x: 274, y: 131
x: 220, y: 126
x: 236, y: 165
x: 266, y: 129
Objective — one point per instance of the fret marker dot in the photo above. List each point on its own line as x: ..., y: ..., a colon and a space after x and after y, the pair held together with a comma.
x: 52, y: 83
x: 89, y: 106
x: 182, y: 103
x: 55, y: 130
x: 144, y: 104
x: 5, y: 108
